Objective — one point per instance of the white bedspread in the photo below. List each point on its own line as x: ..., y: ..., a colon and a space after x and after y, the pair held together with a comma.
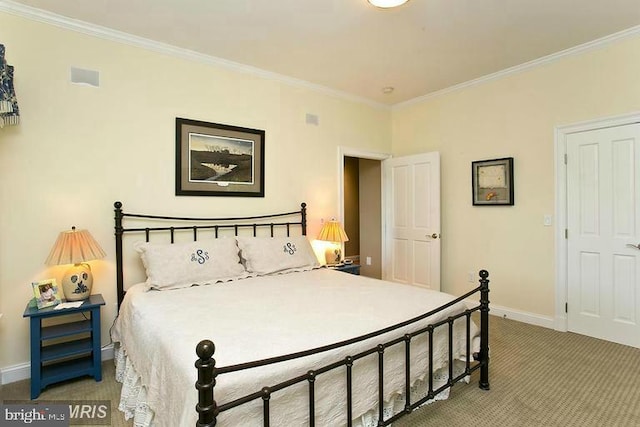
x: 261, y: 317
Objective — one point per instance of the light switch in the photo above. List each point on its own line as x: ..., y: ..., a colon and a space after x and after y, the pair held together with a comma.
x: 547, y: 221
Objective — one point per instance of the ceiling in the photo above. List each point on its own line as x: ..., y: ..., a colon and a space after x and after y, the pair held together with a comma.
x: 350, y: 46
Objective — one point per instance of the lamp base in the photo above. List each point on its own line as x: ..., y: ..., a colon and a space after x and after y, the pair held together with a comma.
x: 77, y: 282
x: 333, y: 255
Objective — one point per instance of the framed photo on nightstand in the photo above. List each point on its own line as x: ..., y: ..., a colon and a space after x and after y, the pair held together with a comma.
x: 47, y: 293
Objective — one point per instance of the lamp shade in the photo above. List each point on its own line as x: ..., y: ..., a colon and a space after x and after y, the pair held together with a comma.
x: 74, y: 247
x: 332, y: 231
x: 77, y: 248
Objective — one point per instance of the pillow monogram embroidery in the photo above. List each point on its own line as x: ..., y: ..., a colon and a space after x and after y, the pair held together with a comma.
x: 290, y: 248
x: 200, y: 256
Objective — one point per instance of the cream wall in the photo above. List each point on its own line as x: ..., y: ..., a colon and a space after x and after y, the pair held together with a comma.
x: 514, y: 116
x: 78, y: 149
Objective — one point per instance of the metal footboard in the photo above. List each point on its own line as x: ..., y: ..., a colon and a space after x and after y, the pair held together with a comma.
x: 208, y: 409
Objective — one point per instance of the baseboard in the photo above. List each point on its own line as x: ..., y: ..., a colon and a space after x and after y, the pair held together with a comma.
x: 523, y: 316
x: 22, y: 371
x: 520, y: 316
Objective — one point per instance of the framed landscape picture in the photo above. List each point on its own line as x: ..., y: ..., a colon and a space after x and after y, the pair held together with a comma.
x: 46, y: 293
x: 492, y: 182
x: 218, y: 160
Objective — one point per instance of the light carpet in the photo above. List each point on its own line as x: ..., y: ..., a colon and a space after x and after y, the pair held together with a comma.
x: 539, y: 377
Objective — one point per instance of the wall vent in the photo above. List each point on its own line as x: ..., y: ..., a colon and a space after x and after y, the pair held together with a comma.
x: 84, y: 77
x: 312, y: 119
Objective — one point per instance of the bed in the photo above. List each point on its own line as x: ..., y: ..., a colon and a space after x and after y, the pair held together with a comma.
x: 296, y: 343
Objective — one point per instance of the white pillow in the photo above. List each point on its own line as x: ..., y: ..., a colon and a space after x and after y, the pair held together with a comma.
x: 179, y: 265
x: 266, y: 255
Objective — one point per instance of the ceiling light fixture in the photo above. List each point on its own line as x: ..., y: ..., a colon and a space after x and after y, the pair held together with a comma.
x: 386, y: 4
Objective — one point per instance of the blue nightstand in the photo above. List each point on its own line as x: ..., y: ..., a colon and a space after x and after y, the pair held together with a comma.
x: 79, y: 355
x: 348, y: 268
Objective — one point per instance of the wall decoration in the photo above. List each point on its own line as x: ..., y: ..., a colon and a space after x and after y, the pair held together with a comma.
x: 9, y: 113
x: 492, y: 182
x: 46, y: 293
x: 218, y: 160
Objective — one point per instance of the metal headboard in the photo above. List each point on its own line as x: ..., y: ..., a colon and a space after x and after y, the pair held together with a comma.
x: 195, y: 224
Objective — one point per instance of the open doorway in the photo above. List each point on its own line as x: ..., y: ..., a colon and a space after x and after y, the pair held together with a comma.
x: 362, y: 213
x: 405, y: 192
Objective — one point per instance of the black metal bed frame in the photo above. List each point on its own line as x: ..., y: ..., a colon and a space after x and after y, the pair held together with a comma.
x: 207, y: 407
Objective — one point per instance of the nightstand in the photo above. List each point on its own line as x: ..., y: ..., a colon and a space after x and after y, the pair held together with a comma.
x: 348, y: 268
x: 53, y: 360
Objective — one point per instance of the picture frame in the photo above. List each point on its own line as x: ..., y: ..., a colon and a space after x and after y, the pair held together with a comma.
x: 46, y: 293
x: 492, y: 182
x: 214, y: 159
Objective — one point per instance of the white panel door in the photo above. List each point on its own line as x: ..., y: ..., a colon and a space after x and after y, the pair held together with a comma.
x: 603, y: 219
x: 412, y: 206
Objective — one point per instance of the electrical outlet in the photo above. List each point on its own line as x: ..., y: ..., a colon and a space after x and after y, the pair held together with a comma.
x: 368, y: 260
x: 471, y: 278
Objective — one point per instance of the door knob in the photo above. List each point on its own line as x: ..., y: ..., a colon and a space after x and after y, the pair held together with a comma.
x: 434, y: 236
x: 629, y: 245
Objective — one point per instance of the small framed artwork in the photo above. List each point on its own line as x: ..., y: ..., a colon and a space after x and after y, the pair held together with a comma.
x: 213, y: 159
x: 46, y: 293
x: 492, y: 182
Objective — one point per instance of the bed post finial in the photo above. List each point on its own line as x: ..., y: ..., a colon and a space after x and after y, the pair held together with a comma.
x: 207, y: 372
x: 484, y: 329
x: 303, y: 214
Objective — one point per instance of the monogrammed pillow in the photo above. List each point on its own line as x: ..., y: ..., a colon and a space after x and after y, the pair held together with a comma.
x: 179, y: 265
x: 266, y: 255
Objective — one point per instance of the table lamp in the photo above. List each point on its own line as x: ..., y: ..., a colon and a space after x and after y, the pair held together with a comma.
x: 77, y: 248
x: 332, y: 231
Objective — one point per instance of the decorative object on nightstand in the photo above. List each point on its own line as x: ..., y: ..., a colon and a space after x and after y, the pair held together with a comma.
x: 333, y: 232
x: 77, y: 248
x: 52, y: 362
x: 46, y: 293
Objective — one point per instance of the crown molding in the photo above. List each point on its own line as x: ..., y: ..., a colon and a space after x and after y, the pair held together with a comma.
x: 585, y: 47
x: 109, y: 34
x: 60, y: 21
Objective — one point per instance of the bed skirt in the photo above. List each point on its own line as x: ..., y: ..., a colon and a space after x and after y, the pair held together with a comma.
x: 133, y: 396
